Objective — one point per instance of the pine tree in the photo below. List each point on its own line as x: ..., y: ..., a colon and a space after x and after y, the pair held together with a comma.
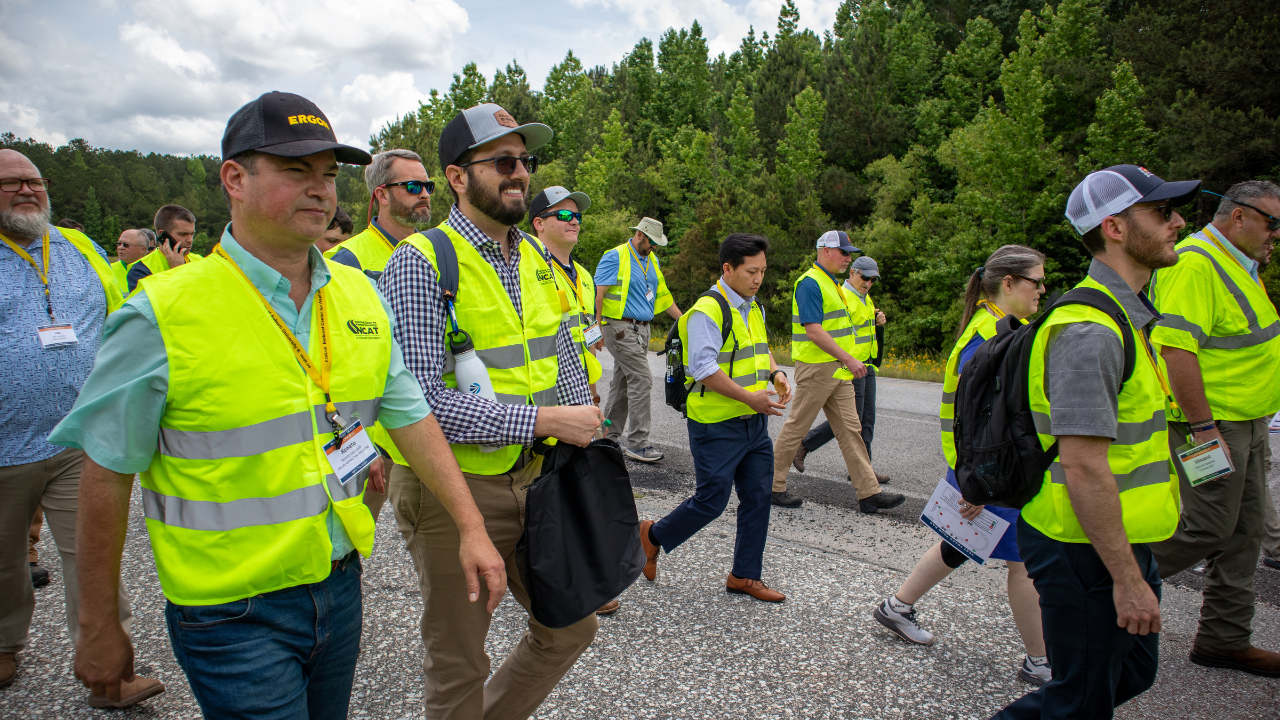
x: 602, y: 171
x: 744, y: 139
x: 800, y: 152
x: 1118, y: 134
x: 92, y: 216
x: 788, y: 19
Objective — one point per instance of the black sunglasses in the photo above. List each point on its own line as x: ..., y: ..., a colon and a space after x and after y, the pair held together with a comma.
x: 1273, y: 222
x: 563, y: 215
x: 867, y: 279
x: 1039, y: 282
x: 506, y: 164
x: 415, y: 187
x: 1166, y: 211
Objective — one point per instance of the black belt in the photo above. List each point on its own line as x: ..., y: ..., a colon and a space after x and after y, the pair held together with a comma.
x: 633, y: 321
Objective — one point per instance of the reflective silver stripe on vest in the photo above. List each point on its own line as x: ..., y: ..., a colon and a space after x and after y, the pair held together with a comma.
x: 1153, y: 473
x: 260, y: 437
x: 507, y: 357
x: 803, y: 337
x: 506, y: 399
x: 745, y: 381
x: 1257, y: 335
x: 246, y: 512
x: 861, y: 339
x: 541, y: 348
x: 762, y: 348
x: 573, y: 321
x: 949, y: 397
x: 745, y: 353
x: 348, y: 491
x: 612, y: 296
x: 546, y: 398
x: 762, y: 376
x: 1127, y: 433
x: 947, y: 424
x: 825, y: 316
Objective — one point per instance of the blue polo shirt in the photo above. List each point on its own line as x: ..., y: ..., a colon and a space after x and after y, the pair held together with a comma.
x: 809, y: 298
x: 638, y: 307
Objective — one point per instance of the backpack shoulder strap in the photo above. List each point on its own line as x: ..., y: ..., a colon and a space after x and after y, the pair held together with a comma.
x: 1102, y: 302
x: 446, y: 262
x: 726, y: 320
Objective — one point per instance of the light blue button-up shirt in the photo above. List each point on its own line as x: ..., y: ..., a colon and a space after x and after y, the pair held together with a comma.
x: 38, y: 386
x: 704, y: 333
x: 116, y: 420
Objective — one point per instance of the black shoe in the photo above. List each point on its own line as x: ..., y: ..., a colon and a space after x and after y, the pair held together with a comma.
x: 786, y: 500
x: 39, y: 576
x: 1272, y: 563
x: 881, y: 501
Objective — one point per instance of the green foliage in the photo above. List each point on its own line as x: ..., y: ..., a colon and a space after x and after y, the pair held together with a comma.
x: 1119, y: 134
x: 800, y: 153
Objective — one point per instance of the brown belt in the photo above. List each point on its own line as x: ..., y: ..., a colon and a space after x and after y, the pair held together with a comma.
x: 633, y: 321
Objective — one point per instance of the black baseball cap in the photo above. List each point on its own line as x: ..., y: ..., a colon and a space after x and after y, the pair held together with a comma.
x: 478, y: 125
x: 288, y: 125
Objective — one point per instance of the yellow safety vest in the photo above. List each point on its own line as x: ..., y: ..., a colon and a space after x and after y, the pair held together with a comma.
x: 862, y: 317
x: 615, y: 298
x: 120, y: 274
x: 114, y: 296
x: 1239, y: 352
x: 835, y: 320
x: 237, y: 496
x: 158, y: 263
x: 581, y: 299
x: 747, y: 348
x: 1139, y: 456
x: 371, y: 248
x: 983, y: 324
x: 519, y: 352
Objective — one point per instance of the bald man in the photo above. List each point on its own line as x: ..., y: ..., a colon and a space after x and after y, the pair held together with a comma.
x: 130, y: 248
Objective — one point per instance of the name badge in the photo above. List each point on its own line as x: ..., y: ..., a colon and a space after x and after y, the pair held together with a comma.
x: 1204, y: 463
x: 56, y: 336
x: 354, y: 453
x: 592, y: 334
x: 649, y: 295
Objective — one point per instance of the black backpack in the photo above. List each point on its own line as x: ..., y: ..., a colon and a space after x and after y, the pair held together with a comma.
x: 999, y: 460
x: 677, y: 394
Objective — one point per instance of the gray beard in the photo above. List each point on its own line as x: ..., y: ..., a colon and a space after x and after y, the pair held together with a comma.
x: 25, y: 225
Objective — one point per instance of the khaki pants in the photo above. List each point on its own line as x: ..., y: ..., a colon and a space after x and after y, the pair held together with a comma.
x: 53, y: 484
x: 627, y: 404
x: 817, y: 389
x: 458, y: 683
x: 1222, y: 522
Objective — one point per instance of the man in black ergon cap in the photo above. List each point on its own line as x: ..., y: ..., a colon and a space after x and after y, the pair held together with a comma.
x: 253, y: 499
x: 532, y: 383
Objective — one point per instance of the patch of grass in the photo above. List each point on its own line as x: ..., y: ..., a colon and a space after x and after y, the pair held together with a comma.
x: 924, y: 366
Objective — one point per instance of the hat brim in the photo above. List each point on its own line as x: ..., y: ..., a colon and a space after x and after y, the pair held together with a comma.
x: 302, y: 148
x: 581, y: 199
x: 1180, y: 192
x: 535, y: 136
x: 657, y: 240
x: 868, y: 273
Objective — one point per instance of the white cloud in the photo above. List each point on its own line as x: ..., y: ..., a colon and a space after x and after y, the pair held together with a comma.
x: 158, y: 45
x: 24, y: 121
x: 377, y: 99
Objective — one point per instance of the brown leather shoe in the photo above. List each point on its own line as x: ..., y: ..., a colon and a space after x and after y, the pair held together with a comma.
x: 650, y: 551
x: 132, y: 692
x: 1252, y: 660
x: 8, y: 669
x: 754, y: 588
x: 797, y: 462
x: 609, y: 608
x: 881, y: 478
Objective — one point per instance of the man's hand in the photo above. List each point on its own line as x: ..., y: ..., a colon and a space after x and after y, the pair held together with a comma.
x: 880, y: 317
x: 1137, y: 609
x: 1205, y: 436
x: 599, y: 345
x: 574, y: 424
x: 854, y: 366
x: 480, y: 559
x: 762, y: 403
x: 783, y: 388
x: 104, y: 659
x: 175, y: 255
x: 378, y: 475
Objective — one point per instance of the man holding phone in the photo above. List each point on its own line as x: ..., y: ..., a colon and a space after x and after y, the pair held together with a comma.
x: 175, y: 230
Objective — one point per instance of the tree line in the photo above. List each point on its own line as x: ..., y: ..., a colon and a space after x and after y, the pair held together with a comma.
x: 933, y: 131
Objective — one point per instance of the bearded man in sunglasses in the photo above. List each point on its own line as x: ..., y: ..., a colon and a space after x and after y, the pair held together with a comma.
x: 1220, y: 338
x: 508, y: 304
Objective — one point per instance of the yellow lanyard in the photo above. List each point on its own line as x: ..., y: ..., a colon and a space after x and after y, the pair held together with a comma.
x: 43, y: 275
x: 319, y: 375
x: 373, y: 226
x: 833, y: 282
x: 1213, y: 236
x: 993, y: 308
x: 1151, y: 358
x: 576, y: 282
x: 644, y: 263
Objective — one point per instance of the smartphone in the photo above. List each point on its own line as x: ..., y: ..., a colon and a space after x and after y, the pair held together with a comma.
x: 167, y: 239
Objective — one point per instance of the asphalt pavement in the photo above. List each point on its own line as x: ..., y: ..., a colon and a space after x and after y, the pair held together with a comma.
x: 683, y: 648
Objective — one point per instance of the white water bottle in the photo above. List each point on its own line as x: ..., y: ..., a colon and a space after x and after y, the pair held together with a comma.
x: 470, y: 372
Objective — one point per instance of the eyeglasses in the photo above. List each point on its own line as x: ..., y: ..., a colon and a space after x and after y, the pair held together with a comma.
x: 13, y: 185
x: 563, y: 215
x: 1273, y: 222
x: 1165, y: 210
x: 415, y: 187
x: 1039, y: 282
x: 506, y: 164
x: 867, y: 279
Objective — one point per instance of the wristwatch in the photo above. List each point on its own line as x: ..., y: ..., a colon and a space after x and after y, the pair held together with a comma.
x: 776, y: 373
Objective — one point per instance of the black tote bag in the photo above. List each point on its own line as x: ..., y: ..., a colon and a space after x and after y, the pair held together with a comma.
x: 581, y: 542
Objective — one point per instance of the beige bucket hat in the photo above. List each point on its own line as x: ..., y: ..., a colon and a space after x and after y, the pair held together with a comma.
x: 653, y: 229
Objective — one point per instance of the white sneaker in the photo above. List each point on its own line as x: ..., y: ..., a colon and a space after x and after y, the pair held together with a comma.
x: 648, y: 454
x: 902, y: 624
x: 1035, y: 674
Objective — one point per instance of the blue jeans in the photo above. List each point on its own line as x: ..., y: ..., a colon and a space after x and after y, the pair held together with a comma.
x: 286, y: 655
x: 727, y: 455
x: 1097, y: 665
x: 865, y: 387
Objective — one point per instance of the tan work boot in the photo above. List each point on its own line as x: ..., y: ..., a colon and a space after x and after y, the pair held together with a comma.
x: 8, y: 669
x: 132, y: 692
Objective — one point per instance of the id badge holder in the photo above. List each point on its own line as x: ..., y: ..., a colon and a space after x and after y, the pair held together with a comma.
x: 1204, y: 463
x: 350, y: 452
x: 592, y: 334
x: 56, y: 336
x: 649, y: 295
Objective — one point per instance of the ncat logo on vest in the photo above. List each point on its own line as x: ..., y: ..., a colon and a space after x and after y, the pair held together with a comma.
x: 363, y: 328
x: 544, y: 275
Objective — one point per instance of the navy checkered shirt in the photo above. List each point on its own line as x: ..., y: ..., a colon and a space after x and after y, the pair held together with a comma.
x: 409, y: 285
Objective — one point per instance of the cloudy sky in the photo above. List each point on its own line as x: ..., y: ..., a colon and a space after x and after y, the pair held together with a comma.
x: 164, y: 75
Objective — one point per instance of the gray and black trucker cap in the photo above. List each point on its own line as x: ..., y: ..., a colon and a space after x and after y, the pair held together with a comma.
x: 478, y: 125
